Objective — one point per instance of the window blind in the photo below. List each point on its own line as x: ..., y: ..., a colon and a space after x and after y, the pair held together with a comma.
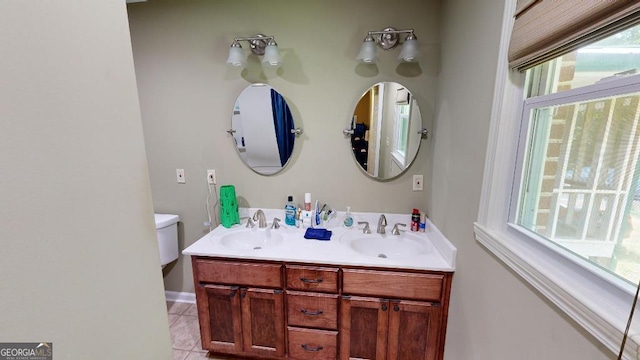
x: 545, y: 29
x: 522, y: 5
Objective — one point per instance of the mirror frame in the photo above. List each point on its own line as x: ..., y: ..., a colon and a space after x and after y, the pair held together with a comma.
x: 282, y: 133
x: 382, y: 105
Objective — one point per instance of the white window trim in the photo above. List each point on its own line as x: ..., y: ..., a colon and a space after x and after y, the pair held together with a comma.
x: 399, y: 159
x: 400, y: 155
x: 595, y: 299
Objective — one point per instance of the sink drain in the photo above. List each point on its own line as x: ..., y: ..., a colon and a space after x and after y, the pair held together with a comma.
x: 382, y: 256
x: 257, y: 248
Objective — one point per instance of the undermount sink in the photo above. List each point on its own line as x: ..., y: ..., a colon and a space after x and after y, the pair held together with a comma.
x: 387, y: 246
x: 251, y: 240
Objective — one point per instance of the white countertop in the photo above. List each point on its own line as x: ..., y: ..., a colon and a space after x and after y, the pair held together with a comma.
x: 438, y: 255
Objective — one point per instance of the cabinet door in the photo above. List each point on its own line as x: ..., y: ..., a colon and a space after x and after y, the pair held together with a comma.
x: 363, y: 328
x: 263, y: 321
x: 219, y: 314
x: 413, y: 330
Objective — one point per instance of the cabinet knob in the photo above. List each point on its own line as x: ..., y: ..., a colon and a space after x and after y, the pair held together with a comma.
x: 311, y: 348
x: 384, y: 307
x: 396, y: 307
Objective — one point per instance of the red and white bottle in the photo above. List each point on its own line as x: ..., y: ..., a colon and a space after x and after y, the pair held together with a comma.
x: 415, y: 220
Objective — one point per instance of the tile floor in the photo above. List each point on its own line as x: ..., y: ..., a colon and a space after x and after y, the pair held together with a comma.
x: 185, y: 332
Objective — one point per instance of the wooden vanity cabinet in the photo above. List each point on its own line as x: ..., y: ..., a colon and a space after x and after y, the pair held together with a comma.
x: 238, y: 319
x: 373, y: 328
x: 392, y: 314
x: 298, y: 311
x: 312, y: 312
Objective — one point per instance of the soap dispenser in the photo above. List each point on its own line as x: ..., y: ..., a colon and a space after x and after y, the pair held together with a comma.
x: 348, y: 219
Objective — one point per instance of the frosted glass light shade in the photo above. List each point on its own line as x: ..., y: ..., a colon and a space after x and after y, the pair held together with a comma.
x: 368, y: 54
x: 409, y: 52
x: 236, y: 57
x: 271, y: 56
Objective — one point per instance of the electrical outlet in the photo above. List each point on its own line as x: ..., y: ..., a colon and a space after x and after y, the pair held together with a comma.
x: 211, y: 177
x: 180, y: 176
x: 417, y: 182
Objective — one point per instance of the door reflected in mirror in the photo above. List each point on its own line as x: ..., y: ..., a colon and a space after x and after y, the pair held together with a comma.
x: 263, y: 129
x: 386, y: 130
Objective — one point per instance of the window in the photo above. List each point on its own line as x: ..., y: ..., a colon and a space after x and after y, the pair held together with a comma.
x: 579, y: 161
x: 560, y: 202
x: 400, y: 134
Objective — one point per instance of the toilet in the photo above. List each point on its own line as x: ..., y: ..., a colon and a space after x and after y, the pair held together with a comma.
x: 167, y: 233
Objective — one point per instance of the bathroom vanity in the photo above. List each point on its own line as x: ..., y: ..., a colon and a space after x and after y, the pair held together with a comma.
x: 270, y: 293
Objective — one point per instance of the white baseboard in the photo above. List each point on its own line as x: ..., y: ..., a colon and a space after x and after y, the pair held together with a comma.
x: 184, y: 297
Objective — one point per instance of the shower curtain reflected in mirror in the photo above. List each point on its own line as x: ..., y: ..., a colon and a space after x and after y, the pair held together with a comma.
x: 283, y: 123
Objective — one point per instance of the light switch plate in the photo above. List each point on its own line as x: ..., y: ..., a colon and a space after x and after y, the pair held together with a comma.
x: 180, y: 176
x: 417, y: 182
x: 211, y: 177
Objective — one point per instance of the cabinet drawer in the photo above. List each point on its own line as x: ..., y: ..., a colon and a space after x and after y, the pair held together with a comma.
x: 312, y: 344
x: 413, y: 286
x: 238, y: 273
x: 312, y: 278
x: 312, y: 310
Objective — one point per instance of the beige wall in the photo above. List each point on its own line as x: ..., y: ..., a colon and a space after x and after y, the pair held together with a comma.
x: 494, y: 314
x: 187, y: 94
x: 79, y: 263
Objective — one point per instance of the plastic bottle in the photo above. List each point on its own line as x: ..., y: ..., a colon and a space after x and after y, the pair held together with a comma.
x: 290, y: 212
x: 307, y: 201
x: 415, y: 220
x: 348, y: 219
x: 423, y: 225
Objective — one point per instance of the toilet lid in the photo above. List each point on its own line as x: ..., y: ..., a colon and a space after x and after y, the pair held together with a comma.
x: 164, y: 220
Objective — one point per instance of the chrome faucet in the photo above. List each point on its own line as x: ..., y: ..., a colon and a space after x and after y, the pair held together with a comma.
x: 382, y: 222
x: 260, y: 218
x: 366, y: 229
x: 395, y: 230
x: 250, y: 223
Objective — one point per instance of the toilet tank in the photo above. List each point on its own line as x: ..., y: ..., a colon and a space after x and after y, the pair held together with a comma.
x: 167, y: 233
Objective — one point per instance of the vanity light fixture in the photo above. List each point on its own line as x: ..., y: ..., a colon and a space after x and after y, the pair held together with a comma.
x: 261, y: 45
x: 388, y: 39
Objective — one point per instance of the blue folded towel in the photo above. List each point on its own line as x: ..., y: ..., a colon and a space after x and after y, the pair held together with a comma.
x: 317, y: 234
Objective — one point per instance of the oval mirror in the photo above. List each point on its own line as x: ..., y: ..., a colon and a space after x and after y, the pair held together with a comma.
x: 263, y: 129
x: 385, y: 130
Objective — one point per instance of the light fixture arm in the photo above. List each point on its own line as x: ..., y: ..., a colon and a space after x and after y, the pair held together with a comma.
x: 257, y: 42
x: 391, y: 31
x: 388, y: 38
